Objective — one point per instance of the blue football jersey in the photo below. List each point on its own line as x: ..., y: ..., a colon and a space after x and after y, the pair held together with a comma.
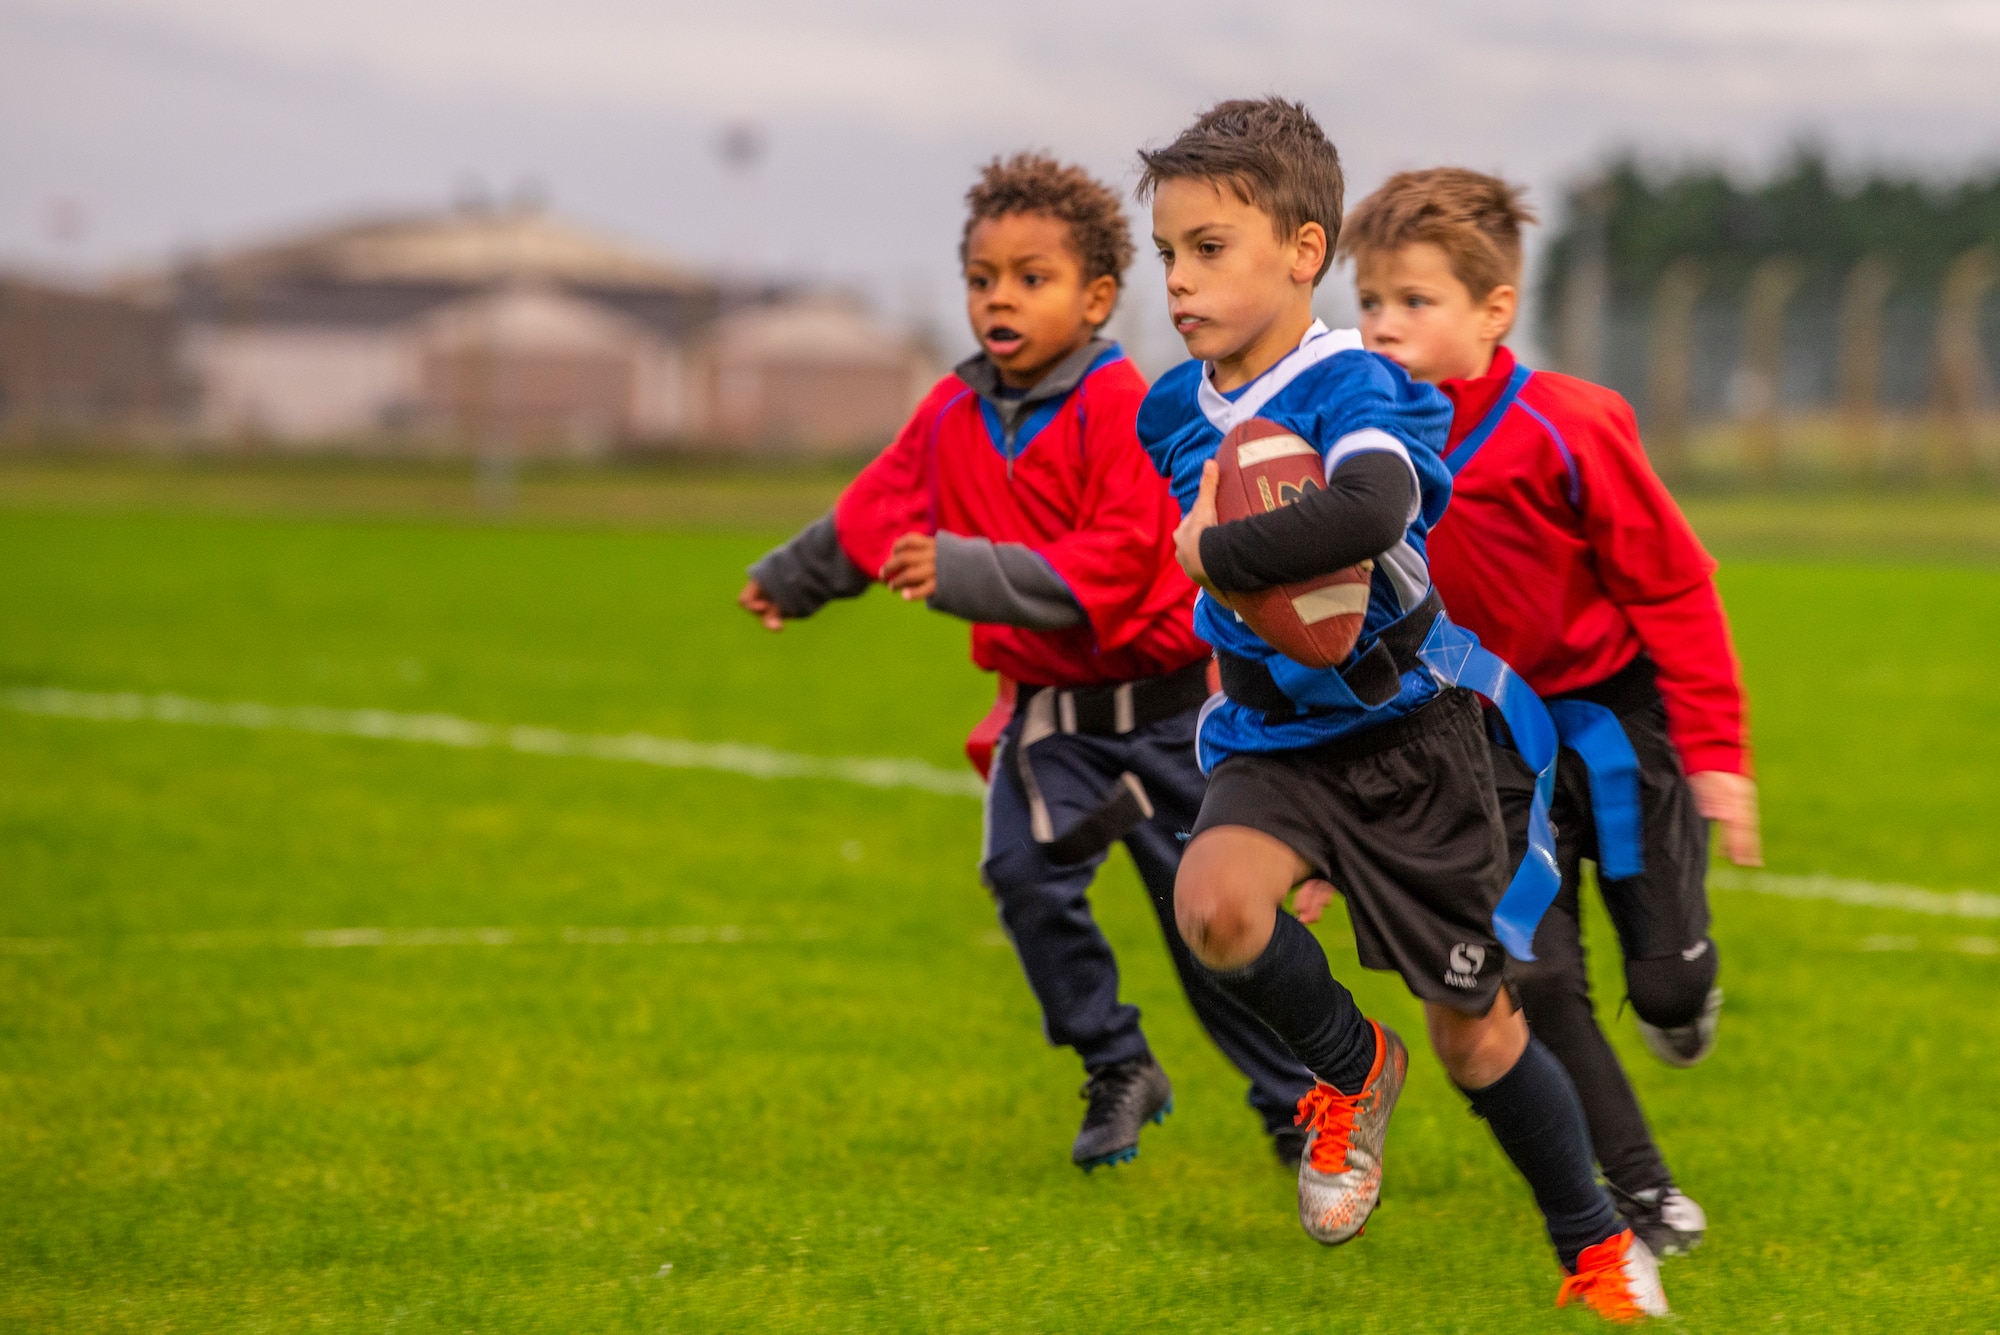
x: 1343, y: 401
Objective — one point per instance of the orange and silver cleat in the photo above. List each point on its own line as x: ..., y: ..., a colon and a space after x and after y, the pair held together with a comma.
x: 1618, y: 1279
x: 1340, y: 1177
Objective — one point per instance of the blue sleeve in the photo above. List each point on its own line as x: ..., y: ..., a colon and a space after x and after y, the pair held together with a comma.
x: 1372, y: 392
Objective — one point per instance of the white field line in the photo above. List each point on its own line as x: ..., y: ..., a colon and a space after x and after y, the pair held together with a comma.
x: 1868, y: 894
x: 349, y: 938
x: 1964, y: 945
x: 764, y: 763
x: 757, y: 762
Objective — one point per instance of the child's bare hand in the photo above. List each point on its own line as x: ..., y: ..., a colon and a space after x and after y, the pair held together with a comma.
x: 758, y: 604
x: 1311, y: 900
x: 1731, y: 799
x: 1199, y: 519
x: 911, y: 569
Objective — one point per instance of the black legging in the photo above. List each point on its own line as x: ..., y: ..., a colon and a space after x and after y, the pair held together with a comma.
x: 1555, y: 993
x: 1664, y: 917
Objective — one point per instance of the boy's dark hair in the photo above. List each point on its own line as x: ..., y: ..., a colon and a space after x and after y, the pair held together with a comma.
x: 1036, y: 183
x: 1271, y: 153
x: 1475, y: 219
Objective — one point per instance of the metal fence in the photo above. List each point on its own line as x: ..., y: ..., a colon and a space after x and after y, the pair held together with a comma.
x: 1869, y: 362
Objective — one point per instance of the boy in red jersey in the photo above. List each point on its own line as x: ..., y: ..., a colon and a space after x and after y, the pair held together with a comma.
x: 1566, y: 555
x: 1018, y: 497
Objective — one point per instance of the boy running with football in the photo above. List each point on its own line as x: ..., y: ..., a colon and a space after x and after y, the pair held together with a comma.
x: 1564, y: 552
x: 1374, y: 775
x: 1018, y: 498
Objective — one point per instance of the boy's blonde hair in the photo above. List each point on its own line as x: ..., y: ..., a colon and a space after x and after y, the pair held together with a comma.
x: 1475, y: 219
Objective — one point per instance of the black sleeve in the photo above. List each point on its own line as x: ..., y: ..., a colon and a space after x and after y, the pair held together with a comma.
x: 1359, y: 516
x: 1005, y: 583
x: 810, y: 571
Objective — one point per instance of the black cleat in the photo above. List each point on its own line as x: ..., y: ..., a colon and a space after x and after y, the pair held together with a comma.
x: 1289, y: 1144
x: 1666, y: 1221
x: 1689, y: 1044
x: 1123, y: 1098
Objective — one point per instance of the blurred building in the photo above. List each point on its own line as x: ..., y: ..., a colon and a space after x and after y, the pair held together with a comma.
x: 74, y: 362
x: 475, y: 328
x: 814, y: 373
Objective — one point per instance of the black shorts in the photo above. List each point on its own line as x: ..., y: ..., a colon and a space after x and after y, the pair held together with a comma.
x: 1404, y: 821
x: 1664, y: 909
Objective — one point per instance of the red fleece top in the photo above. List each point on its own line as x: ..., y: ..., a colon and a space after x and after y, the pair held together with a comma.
x: 1563, y: 552
x: 1081, y: 493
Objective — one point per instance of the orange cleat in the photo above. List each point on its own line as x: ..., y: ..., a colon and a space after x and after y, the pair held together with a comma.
x: 1340, y: 1175
x: 1618, y: 1279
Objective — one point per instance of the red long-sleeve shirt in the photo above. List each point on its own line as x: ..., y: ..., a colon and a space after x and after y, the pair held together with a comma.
x: 1081, y: 493
x: 1563, y: 552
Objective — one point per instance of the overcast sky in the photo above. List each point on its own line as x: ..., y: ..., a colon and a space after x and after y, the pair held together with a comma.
x: 131, y: 129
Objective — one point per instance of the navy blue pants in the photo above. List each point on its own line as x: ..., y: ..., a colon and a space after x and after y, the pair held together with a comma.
x: 1046, y: 908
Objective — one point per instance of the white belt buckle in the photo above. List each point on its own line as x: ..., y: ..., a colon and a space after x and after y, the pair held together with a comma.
x: 1123, y: 717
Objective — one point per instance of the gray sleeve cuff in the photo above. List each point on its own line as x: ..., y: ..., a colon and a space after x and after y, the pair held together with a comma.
x: 1003, y: 583
x: 810, y: 571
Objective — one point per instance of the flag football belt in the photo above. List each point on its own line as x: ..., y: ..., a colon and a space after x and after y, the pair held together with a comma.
x: 1098, y: 711
x: 1376, y: 677
x: 1589, y: 722
x: 1424, y: 638
x: 1113, y: 711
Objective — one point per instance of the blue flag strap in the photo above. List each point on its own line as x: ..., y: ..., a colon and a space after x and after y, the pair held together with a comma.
x: 1455, y: 656
x: 1594, y: 733
x: 1460, y: 457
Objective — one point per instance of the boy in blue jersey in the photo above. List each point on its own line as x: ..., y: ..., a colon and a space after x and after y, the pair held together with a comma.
x: 1376, y: 775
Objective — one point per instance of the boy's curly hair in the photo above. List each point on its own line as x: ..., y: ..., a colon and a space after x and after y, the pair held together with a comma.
x: 1475, y: 219
x: 1037, y: 183
x: 1270, y: 152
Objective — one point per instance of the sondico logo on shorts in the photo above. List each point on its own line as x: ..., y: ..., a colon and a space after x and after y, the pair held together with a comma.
x: 1466, y: 961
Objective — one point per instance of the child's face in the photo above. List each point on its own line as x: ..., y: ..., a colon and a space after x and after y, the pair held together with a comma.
x: 1234, y: 287
x: 1416, y: 312
x: 1025, y: 295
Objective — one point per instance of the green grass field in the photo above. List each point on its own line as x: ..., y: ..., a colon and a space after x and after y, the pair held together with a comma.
x: 804, y: 1088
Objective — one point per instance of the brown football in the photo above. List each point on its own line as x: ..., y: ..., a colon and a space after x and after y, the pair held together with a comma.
x: 1316, y: 621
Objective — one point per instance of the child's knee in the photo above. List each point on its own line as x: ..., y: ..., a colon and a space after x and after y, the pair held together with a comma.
x: 1216, y: 925
x: 1019, y: 879
x: 1669, y: 992
x: 1476, y: 1050
x: 1230, y: 884
x: 1211, y: 907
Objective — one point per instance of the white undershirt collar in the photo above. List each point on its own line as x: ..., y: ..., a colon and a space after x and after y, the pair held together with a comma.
x: 1318, y: 344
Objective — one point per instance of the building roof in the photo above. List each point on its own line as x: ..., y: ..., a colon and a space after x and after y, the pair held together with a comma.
x: 529, y: 319
x: 825, y: 329
x: 468, y: 247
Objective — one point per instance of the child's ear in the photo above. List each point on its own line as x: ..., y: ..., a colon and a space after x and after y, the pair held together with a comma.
x: 1100, y: 298
x: 1311, y: 243
x: 1497, y: 312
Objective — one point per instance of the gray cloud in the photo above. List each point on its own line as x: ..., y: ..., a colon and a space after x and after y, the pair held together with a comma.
x: 176, y: 121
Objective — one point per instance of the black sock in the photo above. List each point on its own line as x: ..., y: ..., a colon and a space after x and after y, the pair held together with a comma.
x: 1535, y: 1116
x: 1290, y: 988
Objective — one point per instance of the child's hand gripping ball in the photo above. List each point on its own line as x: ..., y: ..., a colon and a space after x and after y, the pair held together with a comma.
x: 1316, y: 621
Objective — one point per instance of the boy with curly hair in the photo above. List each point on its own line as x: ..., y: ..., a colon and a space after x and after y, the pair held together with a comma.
x: 1018, y: 498
x: 1564, y: 552
x: 1373, y: 775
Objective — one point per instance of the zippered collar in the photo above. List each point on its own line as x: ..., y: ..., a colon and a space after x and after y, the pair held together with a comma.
x: 983, y: 376
x: 1472, y: 396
